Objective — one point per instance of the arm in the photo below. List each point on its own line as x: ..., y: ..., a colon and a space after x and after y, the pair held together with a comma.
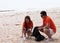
x: 23, y: 27
x: 46, y: 26
x: 42, y: 26
x: 31, y: 25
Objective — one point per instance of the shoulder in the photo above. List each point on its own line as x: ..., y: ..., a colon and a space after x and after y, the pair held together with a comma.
x: 48, y: 17
x: 23, y: 23
x: 31, y: 22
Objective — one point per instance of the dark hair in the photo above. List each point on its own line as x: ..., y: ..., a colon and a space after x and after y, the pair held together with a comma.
x: 27, y: 17
x: 43, y: 13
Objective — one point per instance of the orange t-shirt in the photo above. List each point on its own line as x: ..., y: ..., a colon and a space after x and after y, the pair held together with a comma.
x: 29, y: 25
x: 48, y: 20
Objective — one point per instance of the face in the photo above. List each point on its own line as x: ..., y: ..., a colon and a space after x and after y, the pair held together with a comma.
x: 43, y: 16
x: 27, y: 20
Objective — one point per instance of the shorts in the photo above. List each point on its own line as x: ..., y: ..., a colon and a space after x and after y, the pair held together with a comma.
x: 51, y: 32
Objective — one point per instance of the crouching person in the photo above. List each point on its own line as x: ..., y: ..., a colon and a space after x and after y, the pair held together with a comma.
x: 27, y: 27
x: 48, y: 26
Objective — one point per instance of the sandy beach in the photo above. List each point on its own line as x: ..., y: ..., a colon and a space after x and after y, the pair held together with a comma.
x: 11, y: 25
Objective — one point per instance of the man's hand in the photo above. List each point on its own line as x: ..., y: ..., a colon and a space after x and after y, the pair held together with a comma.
x: 40, y: 27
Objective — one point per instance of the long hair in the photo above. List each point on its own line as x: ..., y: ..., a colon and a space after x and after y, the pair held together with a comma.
x: 27, y: 17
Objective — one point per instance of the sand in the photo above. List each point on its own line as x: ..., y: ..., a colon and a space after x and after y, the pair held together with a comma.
x: 11, y: 25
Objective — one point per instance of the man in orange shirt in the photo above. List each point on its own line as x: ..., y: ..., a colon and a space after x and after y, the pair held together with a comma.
x: 48, y: 26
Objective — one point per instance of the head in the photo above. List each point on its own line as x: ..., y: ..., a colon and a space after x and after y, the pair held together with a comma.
x: 27, y: 19
x: 43, y: 14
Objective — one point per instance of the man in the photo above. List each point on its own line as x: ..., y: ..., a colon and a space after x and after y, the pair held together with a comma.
x: 48, y: 26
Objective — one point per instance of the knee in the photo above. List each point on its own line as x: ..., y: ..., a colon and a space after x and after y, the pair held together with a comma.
x: 46, y: 30
x: 24, y: 30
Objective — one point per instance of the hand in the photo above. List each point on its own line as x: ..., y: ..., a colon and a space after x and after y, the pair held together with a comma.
x: 40, y: 28
x: 29, y: 29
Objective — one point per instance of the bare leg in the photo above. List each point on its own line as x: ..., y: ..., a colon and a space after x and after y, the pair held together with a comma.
x: 47, y: 32
x: 29, y: 34
x: 24, y: 32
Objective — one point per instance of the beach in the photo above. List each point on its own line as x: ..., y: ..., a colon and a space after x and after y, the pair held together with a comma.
x: 11, y: 25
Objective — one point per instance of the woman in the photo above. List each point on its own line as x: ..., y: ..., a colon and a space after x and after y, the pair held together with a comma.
x: 27, y: 26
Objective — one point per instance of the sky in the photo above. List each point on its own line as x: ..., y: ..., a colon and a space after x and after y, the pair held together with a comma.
x: 28, y: 4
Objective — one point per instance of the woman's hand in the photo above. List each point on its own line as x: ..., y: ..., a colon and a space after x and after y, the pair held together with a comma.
x: 40, y: 27
x: 29, y: 29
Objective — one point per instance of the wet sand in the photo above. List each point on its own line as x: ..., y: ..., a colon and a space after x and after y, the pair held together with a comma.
x: 11, y: 25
